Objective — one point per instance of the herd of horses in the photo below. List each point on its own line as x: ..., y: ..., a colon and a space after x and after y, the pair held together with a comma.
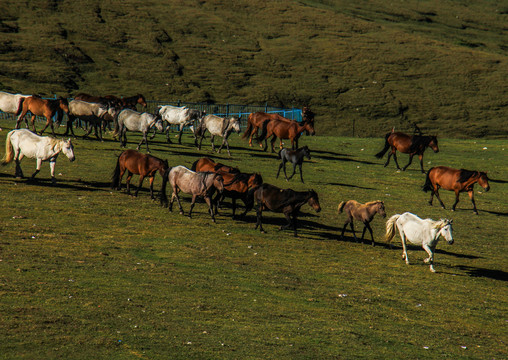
x: 207, y: 178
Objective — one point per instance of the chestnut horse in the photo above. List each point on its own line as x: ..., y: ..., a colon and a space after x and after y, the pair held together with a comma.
x: 128, y: 102
x: 454, y: 180
x: 43, y: 107
x: 284, y: 130
x: 237, y: 185
x: 255, y: 122
x: 362, y: 212
x: 140, y: 164
x: 286, y: 201
x: 207, y: 164
x: 407, y: 144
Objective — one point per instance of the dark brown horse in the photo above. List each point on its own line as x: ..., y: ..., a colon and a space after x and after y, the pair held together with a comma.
x: 255, y: 122
x: 207, y: 164
x: 140, y: 164
x: 284, y: 130
x: 362, y: 212
x: 407, y: 144
x: 97, y: 99
x: 286, y: 201
x: 454, y: 180
x: 128, y: 102
x: 43, y: 107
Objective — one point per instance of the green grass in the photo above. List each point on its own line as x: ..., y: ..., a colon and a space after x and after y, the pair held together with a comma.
x: 88, y: 272
x: 379, y: 64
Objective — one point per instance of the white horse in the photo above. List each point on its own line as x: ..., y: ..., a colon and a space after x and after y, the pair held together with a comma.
x: 181, y: 116
x: 12, y: 103
x: 218, y: 126
x: 23, y: 142
x: 424, y: 232
x: 134, y: 121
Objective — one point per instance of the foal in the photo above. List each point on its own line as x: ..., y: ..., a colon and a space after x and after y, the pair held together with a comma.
x: 295, y: 157
x: 362, y: 212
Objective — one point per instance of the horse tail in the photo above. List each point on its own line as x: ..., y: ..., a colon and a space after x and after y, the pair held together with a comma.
x: 9, y: 150
x: 163, y: 197
x: 390, y: 228
x: 20, y: 106
x: 249, y: 128
x: 380, y: 154
x: 116, y: 175
x: 195, y: 165
x: 341, y: 207
x: 428, y: 184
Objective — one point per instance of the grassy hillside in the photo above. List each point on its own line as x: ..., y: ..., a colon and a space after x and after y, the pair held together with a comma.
x: 441, y: 64
x: 87, y: 272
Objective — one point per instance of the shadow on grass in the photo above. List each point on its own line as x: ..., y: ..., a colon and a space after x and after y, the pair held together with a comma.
x: 349, y: 185
x: 484, y: 273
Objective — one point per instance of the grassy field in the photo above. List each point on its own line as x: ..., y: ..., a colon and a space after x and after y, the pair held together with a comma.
x: 88, y: 272
x: 441, y: 64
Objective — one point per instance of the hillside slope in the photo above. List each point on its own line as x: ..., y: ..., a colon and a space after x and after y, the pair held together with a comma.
x: 440, y: 64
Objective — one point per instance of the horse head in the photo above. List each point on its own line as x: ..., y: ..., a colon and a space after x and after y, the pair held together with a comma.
x: 446, y: 230
x: 309, y: 126
x: 63, y: 104
x: 483, y: 181
x: 157, y: 121
x: 306, y: 152
x: 314, y: 201
x: 381, y: 208
x: 141, y: 100
x: 68, y: 149
x: 234, y: 124
x: 255, y: 180
x: 218, y: 182
x: 433, y: 143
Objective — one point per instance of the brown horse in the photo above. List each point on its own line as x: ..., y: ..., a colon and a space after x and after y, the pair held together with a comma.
x: 362, y: 212
x: 284, y: 130
x: 140, y: 164
x: 97, y: 99
x: 286, y: 201
x: 43, y: 107
x: 255, y: 122
x: 407, y: 144
x: 128, y: 102
x: 207, y: 164
x: 454, y: 180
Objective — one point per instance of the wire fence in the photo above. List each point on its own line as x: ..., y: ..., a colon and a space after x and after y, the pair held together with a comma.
x: 223, y: 110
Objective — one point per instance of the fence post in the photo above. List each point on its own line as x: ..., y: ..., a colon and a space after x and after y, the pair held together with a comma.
x: 227, y: 109
x: 179, y: 102
x: 266, y: 107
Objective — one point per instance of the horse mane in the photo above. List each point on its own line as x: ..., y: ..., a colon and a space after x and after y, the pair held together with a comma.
x: 465, y: 175
x: 373, y: 202
x: 419, y: 141
x: 441, y: 223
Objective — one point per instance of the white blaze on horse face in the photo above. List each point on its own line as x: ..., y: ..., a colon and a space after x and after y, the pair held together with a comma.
x: 236, y: 124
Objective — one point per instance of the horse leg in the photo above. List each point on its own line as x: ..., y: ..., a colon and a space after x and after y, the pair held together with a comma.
x: 367, y: 226
x: 37, y: 169
x: 344, y: 229
x: 396, y: 162
x: 259, y: 214
x: 52, y: 164
x: 212, y: 138
x: 294, y: 172
x: 439, y: 198
x: 143, y: 139
x: 20, y: 118
x: 280, y: 167
x: 404, y: 249
x: 409, y: 163
x: 168, y: 140
x: 151, y: 187
x: 18, y: 157
x: 180, y: 135
x: 128, y: 182
x: 421, y: 163
x: 353, y: 229
x: 272, y: 142
x: 301, y: 174
x: 141, y: 178
x: 227, y: 146
x: 288, y: 219
x: 388, y: 159
x: 209, y: 202
x: 430, y: 259
x: 216, y: 203
x: 100, y: 131
x: 471, y: 196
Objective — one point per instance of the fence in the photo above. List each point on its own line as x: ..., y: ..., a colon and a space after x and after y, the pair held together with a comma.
x: 242, y: 111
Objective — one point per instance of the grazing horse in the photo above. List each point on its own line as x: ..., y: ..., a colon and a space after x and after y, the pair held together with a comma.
x: 424, y: 232
x: 284, y: 130
x: 362, y: 212
x: 23, y: 142
x: 43, y: 107
x: 128, y: 102
x: 140, y: 164
x: 181, y: 116
x: 202, y: 184
x: 133, y: 121
x: 454, y: 180
x: 207, y: 164
x: 407, y: 144
x: 12, y: 103
x: 295, y: 157
x: 286, y: 201
x: 92, y: 113
x: 218, y: 126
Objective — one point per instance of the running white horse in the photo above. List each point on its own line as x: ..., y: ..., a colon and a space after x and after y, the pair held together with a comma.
x: 12, y: 103
x: 134, y: 121
x: 23, y: 142
x: 181, y: 116
x: 424, y: 232
x: 218, y: 126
